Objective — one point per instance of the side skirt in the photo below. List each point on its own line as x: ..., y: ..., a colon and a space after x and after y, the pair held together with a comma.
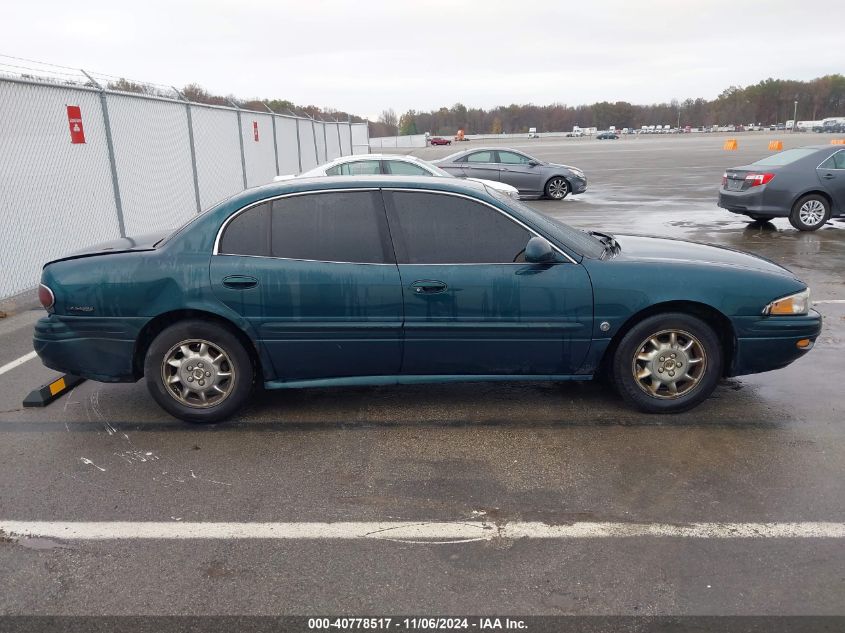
x: 375, y: 381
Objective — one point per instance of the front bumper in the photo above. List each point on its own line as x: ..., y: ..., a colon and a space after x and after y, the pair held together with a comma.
x: 96, y: 348
x: 579, y: 185
x: 768, y: 343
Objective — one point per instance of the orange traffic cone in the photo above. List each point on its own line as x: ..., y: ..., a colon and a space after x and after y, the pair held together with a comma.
x: 730, y: 144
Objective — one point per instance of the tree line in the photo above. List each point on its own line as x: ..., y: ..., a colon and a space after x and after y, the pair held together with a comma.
x: 767, y: 102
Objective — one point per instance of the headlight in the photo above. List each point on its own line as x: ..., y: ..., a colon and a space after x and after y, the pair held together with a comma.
x: 799, y: 303
x: 578, y: 173
x: 514, y: 194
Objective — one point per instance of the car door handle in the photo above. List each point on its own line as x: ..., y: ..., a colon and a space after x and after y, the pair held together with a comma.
x: 240, y: 282
x: 428, y: 287
x: 828, y: 176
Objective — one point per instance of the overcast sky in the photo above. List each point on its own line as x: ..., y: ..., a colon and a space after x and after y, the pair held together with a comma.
x: 365, y: 56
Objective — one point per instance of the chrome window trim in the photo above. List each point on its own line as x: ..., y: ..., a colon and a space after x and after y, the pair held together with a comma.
x: 216, y: 249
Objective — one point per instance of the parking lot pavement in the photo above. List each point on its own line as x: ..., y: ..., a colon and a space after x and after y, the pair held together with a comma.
x: 767, y: 448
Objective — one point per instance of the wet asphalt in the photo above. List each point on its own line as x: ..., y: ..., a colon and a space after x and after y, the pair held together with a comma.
x: 763, y: 448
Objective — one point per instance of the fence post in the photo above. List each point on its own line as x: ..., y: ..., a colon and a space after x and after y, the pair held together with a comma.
x: 325, y: 142
x: 298, y: 142
x: 118, y: 205
x: 351, y: 141
x: 275, y: 143
x: 314, y: 134
x: 339, y: 142
x: 240, y: 139
x: 192, y: 146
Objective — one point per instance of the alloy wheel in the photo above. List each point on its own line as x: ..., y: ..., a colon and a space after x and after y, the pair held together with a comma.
x: 669, y: 364
x: 558, y: 188
x: 197, y: 373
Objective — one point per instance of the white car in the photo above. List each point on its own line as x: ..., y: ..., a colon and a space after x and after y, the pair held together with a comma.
x: 392, y: 165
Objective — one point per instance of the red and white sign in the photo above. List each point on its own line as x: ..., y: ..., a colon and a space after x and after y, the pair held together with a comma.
x: 74, y: 121
x: 255, y: 130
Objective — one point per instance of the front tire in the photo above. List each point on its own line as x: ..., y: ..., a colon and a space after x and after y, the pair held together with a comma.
x: 198, y: 371
x: 810, y: 213
x: 557, y: 188
x: 667, y: 363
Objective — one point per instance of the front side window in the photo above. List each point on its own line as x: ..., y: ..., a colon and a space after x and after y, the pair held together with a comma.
x: 431, y: 228
x: 401, y: 168
x: 512, y: 158
x: 480, y: 157
x: 330, y: 227
x: 355, y: 168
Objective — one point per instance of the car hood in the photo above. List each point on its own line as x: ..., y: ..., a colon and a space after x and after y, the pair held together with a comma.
x: 562, y: 165
x: 646, y: 248
x: 146, y: 242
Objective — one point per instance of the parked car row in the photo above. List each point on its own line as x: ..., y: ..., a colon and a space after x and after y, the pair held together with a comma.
x: 388, y: 165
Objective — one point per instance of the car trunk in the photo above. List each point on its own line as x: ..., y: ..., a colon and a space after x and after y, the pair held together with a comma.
x: 146, y: 242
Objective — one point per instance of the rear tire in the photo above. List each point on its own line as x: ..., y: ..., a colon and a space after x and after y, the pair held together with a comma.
x: 198, y: 371
x: 810, y: 213
x: 667, y: 363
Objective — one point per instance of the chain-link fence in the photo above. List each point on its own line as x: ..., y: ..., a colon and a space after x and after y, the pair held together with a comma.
x: 83, y: 164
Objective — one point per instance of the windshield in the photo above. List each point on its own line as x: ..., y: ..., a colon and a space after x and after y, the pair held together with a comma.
x: 786, y: 157
x: 579, y: 241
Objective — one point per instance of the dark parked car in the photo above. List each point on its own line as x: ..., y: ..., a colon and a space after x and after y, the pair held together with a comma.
x: 377, y: 280
x: 606, y: 136
x: 806, y: 184
x: 439, y: 140
x: 533, y: 177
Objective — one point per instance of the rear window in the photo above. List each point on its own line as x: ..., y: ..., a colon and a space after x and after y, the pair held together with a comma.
x: 786, y: 157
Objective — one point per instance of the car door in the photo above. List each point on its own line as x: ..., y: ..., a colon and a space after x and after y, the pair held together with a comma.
x: 316, y: 277
x: 472, y: 304
x: 519, y: 171
x: 481, y: 164
x: 831, y: 173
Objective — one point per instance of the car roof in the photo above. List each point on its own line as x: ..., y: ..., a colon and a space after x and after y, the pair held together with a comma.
x: 359, y: 157
x: 318, y: 183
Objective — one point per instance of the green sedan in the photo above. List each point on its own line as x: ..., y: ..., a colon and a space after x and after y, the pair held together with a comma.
x: 376, y: 280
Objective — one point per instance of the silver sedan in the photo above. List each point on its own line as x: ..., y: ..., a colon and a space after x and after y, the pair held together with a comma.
x: 390, y: 164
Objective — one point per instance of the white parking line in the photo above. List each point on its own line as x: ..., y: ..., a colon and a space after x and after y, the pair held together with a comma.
x: 16, y: 363
x: 415, y: 531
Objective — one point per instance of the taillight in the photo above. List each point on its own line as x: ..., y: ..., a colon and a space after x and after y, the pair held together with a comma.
x: 725, y: 179
x: 45, y: 296
x: 755, y: 180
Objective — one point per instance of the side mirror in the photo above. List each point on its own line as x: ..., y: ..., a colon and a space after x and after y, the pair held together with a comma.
x: 539, y: 251
x: 533, y: 163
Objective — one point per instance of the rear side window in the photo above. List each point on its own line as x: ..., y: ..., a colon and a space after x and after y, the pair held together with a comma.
x: 332, y: 227
x: 480, y: 157
x: 430, y: 228
x: 355, y: 168
x: 837, y: 161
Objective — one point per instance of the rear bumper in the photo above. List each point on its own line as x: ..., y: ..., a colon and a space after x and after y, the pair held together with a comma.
x: 753, y: 201
x: 768, y: 343
x: 96, y: 348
